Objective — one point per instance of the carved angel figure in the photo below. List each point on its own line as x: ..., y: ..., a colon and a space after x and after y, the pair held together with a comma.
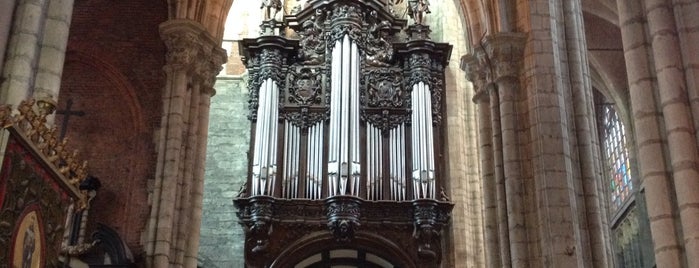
x: 270, y: 8
x: 417, y: 10
x: 380, y: 50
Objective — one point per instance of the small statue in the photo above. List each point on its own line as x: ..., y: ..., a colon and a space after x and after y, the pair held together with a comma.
x: 443, y: 195
x: 243, y: 191
x: 270, y: 8
x: 417, y: 10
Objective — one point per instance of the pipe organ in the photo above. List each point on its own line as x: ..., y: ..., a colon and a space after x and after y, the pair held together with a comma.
x: 347, y: 130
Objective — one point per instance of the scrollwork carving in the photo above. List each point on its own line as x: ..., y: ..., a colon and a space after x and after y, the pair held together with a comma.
x: 312, y: 43
x: 384, y: 88
x: 269, y: 63
x: 346, y: 20
x: 379, y: 51
x: 304, y: 118
x: 385, y: 121
x: 259, y: 229
x: 343, y: 217
x: 305, y: 87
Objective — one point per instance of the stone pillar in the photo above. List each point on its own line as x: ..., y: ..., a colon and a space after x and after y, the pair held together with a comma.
x: 679, y: 126
x: 588, y: 152
x: 178, y: 173
x: 505, y: 53
x: 688, y: 33
x: 647, y: 127
x: 52, y: 52
x: 7, y: 8
x: 476, y: 73
x: 206, y: 73
x: 23, y: 51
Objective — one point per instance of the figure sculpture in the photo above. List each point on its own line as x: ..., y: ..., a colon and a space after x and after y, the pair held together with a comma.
x: 380, y: 50
x: 417, y: 10
x: 270, y: 8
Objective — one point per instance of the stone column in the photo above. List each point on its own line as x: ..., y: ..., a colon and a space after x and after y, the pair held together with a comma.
x: 182, y: 41
x: 681, y: 137
x: 647, y: 127
x: 207, y: 91
x: 23, y: 51
x: 585, y: 129
x: 7, y: 8
x: 688, y: 33
x: 505, y: 53
x: 206, y: 75
x: 476, y: 73
x: 52, y: 52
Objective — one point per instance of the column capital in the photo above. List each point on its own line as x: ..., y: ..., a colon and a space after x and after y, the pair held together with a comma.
x: 477, y: 72
x: 186, y: 42
x: 207, y: 68
x: 505, y: 52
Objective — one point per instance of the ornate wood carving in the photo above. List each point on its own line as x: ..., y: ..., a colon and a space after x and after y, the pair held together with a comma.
x: 388, y: 65
x: 416, y: 226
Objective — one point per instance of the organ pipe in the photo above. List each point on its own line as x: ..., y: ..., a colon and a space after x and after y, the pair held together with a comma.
x: 264, y: 158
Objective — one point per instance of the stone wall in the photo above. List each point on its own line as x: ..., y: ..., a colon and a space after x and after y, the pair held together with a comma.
x: 229, y: 135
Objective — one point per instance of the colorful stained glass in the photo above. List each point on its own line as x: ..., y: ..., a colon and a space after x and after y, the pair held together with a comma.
x: 617, y: 157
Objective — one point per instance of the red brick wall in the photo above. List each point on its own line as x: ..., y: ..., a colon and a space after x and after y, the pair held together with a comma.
x: 113, y: 73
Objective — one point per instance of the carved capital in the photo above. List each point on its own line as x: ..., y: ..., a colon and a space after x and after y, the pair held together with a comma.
x: 505, y: 52
x: 182, y: 48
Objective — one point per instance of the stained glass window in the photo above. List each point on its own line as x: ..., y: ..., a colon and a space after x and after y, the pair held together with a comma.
x: 616, y: 156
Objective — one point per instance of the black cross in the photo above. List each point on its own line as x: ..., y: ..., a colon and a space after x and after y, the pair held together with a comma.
x: 66, y: 116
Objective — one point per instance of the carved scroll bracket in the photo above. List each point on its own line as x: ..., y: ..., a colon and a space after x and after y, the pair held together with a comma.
x: 343, y: 214
x: 259, y: 228
x: 429, y: 218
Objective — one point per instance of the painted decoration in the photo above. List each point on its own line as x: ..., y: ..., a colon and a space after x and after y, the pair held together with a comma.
x: 27, y: 247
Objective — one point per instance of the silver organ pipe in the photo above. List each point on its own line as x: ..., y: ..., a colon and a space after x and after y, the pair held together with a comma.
x: 344, y: 160
x: 423, y: 144
x: 335, y: 92
x: 393, y: 155
x: 354, y: 117
x: 374, y: 151
x: 401, y: 168
x: 295, y: 160
x: 264, y: 158
x: 286, y: 180
x: 319, y: 166
x: 344, y: 121
x: 314, y: 180
x: 274, y: 127
x: 430, y: 140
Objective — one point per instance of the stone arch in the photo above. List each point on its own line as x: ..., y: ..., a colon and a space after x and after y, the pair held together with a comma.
x: 112, y: 133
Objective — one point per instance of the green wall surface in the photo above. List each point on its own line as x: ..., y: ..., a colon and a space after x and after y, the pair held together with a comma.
x: 221, y: 243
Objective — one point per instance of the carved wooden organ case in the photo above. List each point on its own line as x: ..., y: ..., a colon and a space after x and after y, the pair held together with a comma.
x: 347, y: 137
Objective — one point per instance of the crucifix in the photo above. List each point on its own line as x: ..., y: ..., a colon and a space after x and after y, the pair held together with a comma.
x: 67, y: 113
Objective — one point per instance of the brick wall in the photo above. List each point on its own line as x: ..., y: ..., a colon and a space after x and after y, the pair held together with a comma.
x: 113, y: 72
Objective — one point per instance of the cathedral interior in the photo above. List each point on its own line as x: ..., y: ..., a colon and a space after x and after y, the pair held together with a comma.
x: 349, y: 133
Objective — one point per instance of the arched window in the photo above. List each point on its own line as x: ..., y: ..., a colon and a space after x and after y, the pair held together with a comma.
x: 628, y: 219
x: 616, y: 155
